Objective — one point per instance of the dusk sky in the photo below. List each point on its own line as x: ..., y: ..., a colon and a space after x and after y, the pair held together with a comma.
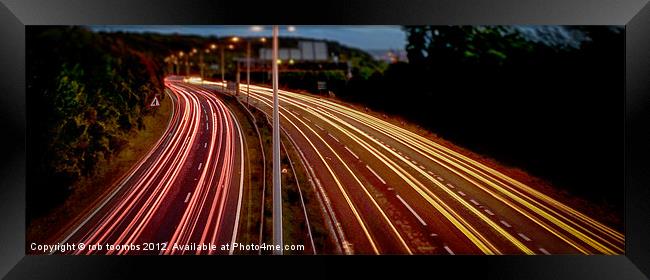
x: 363, y: 37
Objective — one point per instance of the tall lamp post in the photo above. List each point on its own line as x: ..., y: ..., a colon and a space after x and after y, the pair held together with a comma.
x: 277, y: 192
x: 248, y: 62
x: 192, y: 53
x: 248, y: 68
x: 181, y: 54
x: 175, y: 65
x: 222, y: 66
x: 202, y: 63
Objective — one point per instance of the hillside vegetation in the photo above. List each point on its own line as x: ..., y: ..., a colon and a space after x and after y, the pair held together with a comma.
x: 85, y: 94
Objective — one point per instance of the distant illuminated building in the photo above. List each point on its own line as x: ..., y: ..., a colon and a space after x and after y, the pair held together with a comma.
x: 307, y: 50
x: 389, y: 56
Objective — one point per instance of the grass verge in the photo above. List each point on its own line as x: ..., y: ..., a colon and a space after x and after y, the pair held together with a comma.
x: 302, y: 217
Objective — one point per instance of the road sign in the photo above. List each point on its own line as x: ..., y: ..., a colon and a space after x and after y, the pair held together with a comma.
x: 155, y: 102
x: 231, y: 87
x: 322, y: 85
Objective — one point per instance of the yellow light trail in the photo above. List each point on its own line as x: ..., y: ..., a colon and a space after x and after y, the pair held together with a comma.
x: 518, y: 198
x: 472, y: 234
x: 387, y: 129
x: 554, y: 220
x: 374, y: 202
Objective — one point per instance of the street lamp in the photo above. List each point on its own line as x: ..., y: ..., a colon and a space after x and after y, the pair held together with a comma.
x: 178, y: 68
x: 171, y: 63
x: 237, y: 77
x: 201, y: 63
x: 188, y: 62
x: 248, y: 62
x: 277, y: 192
x: 181, y: 54
x: 221, y: 48
x: 222, y: 66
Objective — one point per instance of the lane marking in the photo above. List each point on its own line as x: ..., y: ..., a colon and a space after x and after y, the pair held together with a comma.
x: 474, y: 202
x: 200, y: 164
x: 433, y: 235
x: 440, y: 179
x: 373, y: 172
x: 390, y: 189
x: 421, y: 167
x: 350, y: 151
x: 241, y: 183
x: 544, y: 251
x: 461, y: 193
x: 319, y: 127
x: 450, y: 185
x: 430, y: 173
x: 505, y: 223
x: 412, y: 211
x: 489, y: 212
x: 523, y: 236
x: 414, y: 162
x: 205, y: 145
x: 187, y: 197
x: 449, y: 250
x: 337, y: 140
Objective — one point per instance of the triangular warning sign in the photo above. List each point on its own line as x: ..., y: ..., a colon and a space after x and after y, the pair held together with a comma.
x: 155, y: 102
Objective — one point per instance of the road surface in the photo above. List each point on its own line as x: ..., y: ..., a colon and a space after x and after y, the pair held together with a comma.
x: 391, y: 191
x: 186, y: 190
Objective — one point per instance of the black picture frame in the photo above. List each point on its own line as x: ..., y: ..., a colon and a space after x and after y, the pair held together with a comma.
x: 633, y: 14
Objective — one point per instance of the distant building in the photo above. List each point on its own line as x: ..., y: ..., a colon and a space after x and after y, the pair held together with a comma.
x: 307, y: 50
x: 389, y: 56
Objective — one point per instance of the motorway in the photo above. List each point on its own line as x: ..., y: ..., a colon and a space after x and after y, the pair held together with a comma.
x: 388, y: 190
x: 187, y: 189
